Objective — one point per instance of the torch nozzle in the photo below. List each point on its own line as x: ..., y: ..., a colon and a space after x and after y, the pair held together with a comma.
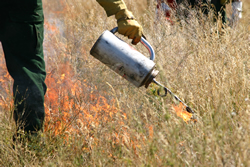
x: 188, y: 109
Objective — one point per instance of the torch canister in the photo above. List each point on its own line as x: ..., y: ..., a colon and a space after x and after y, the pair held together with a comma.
x: 124, y: 59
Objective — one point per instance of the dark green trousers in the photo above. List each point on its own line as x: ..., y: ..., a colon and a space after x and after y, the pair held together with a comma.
x: 21, y: 35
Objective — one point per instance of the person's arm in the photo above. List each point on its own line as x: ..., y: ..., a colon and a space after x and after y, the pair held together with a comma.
x: 127, y: 25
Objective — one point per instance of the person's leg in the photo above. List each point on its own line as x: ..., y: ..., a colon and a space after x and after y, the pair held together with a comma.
x: 220, y: 9
x: 23, y: 48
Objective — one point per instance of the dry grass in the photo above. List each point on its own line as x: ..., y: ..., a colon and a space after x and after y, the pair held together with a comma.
x: 106, y: 121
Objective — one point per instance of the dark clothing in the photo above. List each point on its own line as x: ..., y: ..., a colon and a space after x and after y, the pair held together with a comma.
x: 21, y: 35
x: 216, y: 5
x: 219, y: 8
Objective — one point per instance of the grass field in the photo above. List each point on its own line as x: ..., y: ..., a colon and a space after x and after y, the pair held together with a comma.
x: 94, y: 117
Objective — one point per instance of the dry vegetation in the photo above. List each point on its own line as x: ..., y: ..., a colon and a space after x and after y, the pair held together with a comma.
x: 96, y: 118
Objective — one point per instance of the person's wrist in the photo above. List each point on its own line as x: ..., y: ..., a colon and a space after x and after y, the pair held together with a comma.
x: 124, y: 14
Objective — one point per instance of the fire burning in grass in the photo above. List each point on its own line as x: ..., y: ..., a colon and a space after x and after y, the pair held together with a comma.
x: 66, y: 101
x: 74, y: 109
x: 6, y: 86
x: 182, y: 113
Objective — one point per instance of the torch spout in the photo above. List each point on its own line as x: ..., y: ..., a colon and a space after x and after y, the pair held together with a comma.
x: 188, y: 109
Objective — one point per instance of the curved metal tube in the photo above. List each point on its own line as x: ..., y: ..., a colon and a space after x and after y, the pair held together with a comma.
x: 171, y: 93
x: 144, y: 42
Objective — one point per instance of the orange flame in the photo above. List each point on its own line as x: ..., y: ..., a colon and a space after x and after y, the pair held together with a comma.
x: 181, y: 112
x: 66, y: 101
x: 6, y: 100
x: 71, y: 111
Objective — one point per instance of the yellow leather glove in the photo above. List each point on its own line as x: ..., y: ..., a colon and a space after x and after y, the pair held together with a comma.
x: 128, y: 26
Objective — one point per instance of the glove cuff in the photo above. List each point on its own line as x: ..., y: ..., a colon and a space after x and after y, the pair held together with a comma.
x: 124, y: 15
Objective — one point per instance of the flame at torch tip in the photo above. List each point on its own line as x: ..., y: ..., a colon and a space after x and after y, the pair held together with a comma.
x: 181, y: 112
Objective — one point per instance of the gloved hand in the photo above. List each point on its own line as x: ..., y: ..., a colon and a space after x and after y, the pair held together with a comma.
x: 128, y: 26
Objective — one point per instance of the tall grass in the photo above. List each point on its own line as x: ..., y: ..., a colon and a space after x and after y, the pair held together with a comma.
x: 207, y: 67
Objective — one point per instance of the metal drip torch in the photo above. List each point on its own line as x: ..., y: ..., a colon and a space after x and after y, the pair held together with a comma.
x: 128, y: 62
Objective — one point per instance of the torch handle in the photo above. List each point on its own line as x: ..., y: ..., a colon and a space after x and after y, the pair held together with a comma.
x: 143, y: 41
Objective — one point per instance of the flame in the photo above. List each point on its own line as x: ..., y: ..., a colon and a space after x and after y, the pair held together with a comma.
x: 66, y: 101
x: 6, y: 100
x: 72, y: 111
x: 150, y: 131
x: 50, y: 27
x: 181, y: 112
